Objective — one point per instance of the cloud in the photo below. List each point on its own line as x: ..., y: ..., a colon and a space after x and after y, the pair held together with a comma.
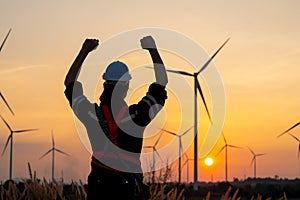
x: 21, y: 68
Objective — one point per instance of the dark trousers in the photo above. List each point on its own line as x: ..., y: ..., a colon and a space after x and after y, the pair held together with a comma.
x: 114, y: 185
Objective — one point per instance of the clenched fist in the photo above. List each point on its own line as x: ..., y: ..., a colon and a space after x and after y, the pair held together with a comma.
x: 148, y: 43
x: 90, y: 44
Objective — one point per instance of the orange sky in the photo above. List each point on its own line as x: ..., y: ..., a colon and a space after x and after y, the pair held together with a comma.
x: 259, y: 68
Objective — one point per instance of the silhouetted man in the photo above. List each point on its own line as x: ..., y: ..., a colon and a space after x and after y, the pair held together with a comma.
x: 116, y: 130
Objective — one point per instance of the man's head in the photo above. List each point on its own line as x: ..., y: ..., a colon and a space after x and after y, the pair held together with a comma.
x: 117, y: 79
x: 117, y: 71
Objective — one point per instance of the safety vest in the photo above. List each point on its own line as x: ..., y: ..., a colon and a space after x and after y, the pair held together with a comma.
x: 112, y: 133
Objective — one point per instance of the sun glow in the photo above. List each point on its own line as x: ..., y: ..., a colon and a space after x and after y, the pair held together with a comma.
x: 209, y: 161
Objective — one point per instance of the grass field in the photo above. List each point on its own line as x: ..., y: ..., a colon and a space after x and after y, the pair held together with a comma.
x: 42, y: 189
x: 34, y: 188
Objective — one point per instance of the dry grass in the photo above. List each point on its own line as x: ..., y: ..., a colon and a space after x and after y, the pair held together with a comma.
x: 32, y: 189
x: 54, y: 191
x: 159, y: 192
x: 36, y: 189
x: 79, y: 190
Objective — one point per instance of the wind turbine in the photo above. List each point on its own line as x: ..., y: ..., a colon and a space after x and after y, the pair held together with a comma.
x: 253, y: 161
x: 154, y: 150
x: 294, y: 126
x: 197, y: 87
x: 179, y: 150
x: 226, y: 155
x: 298, y: 141
x: 53, y: 149
x: 1, y: 95
x: 10, y: 138
x: 187, y: 166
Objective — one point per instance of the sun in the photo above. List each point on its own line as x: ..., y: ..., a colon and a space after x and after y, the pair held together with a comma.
x: 208, y: 161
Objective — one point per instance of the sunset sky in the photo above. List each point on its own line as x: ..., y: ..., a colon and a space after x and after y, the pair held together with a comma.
x: 259, y: 68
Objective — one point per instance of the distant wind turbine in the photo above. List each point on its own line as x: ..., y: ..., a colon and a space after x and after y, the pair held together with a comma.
x: 197, y: 87
x: 179, y: 150
x: 294, y: 126
x: 154, y: 150
x: 226, y: 155
x: 187, y: 166
x: 253, y: 161
x: 53, y: 149
x: 1, y: 95
x: 298, y: 141
x: 10, y: 138
x: 5, y: 39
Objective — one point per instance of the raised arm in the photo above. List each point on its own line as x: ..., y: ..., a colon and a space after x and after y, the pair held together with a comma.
x: 148, y: 43
x: 88, y: 46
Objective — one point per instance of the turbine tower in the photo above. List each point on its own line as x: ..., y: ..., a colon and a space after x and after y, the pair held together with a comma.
x: 53, y: 149
x: 179, y: 149
x: 226, y: 155
x: 1, y: 95
x: 154, y: 150
x: 253, y: 161
x: 10, y: 139
x: 197, y: 87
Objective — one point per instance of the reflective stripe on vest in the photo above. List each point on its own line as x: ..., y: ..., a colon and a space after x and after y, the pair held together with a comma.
x: 110, y: 155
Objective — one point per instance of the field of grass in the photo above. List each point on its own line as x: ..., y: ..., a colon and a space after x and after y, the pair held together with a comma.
x: 37, y: 189
x: 34, y: 188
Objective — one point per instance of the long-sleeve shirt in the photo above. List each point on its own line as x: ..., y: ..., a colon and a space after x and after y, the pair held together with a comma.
x: 130, y: 129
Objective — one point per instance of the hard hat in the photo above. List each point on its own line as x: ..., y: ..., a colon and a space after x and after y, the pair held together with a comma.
x: 117, y: 71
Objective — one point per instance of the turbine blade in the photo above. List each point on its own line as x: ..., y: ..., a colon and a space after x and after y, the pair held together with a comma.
x: 53, y: 143
x: 180, y: 72
x: 60, y: 151
x: 294, y: 137
x: 260, y: 154
x: 211, y: 58
x: 220, y: 150
x: 7, y: 105
x: 224, y: 138
x: 233, y: 146
x: 252, y: 160
x: 169, y: 132
x: 157, y: 140
x: 46, y: 153
x: 7, y: 141
x: 251, y: 150
x: 5, y: 123
x: 176, y: 71
x: 202, y: 97
x: 5, y: 39
x: 26, y: 130
x: 185, y: 132
x: 185, y: 162
x: 155, y: 150
x: 294, y: 126
x: 185, y: 155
